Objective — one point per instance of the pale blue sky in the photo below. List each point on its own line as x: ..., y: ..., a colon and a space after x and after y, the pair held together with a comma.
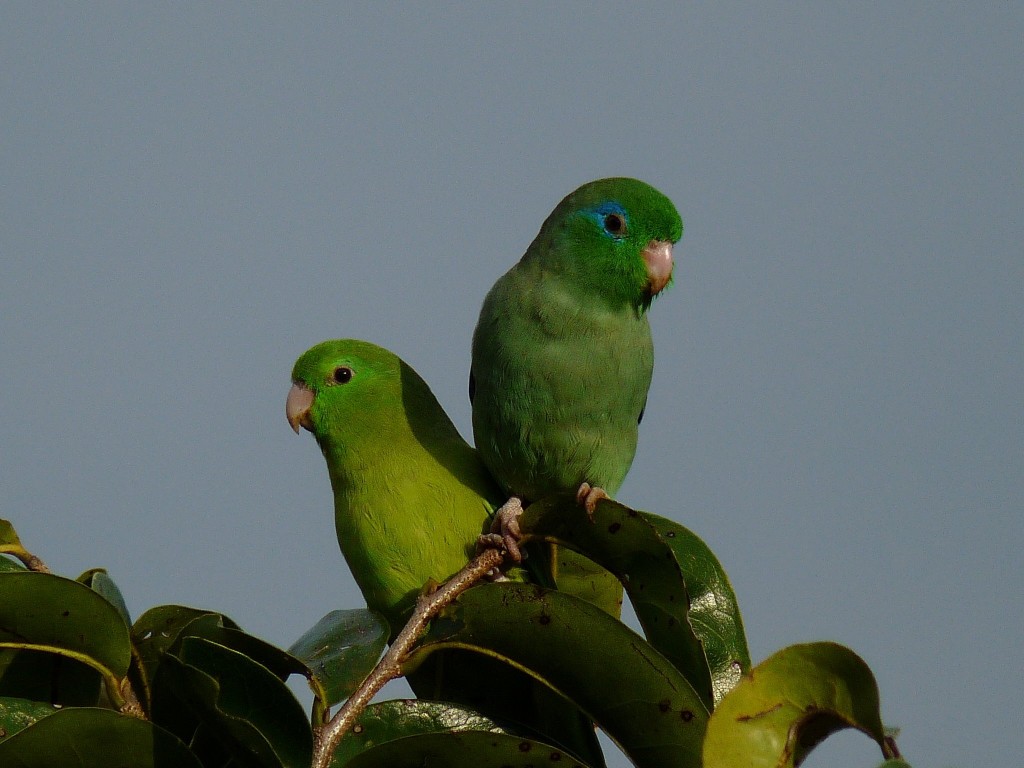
x: 193, y: 195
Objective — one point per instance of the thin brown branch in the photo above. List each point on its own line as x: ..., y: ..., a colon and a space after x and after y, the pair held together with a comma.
x: 889, y: 749
x: 390, y: 667
x: 34, y: 563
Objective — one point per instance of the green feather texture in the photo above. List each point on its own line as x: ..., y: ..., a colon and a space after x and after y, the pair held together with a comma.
x: 562, y: 351
x: 410, y: 495
x: 410, y: 499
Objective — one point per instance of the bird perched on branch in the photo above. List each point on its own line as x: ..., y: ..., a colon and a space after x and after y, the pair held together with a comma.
x: 562, y: 351
x: 411, y: 498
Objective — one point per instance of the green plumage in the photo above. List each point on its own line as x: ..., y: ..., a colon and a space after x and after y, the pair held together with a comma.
x: 562, y: 352
x: 563, y: 356
x: 411, y: 497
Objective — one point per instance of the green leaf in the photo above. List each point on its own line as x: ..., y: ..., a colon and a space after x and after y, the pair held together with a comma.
x: 16, y: 714
x: 390, y: 720
x: 467, y: 749
x: 679, y: 590
x: 212, y: 627
x: 10, y: 544
x: 252, y: 713
x: 340, y: 650
x: 8, y: 536
x: 159, y: 635
x: 791, y: 702
x: 94, y: 738
x: 101, y: 583
x: 633, y: 692
x: 7, y: 564
x: 714, y: 612
x: 48, y: 677
x: 49, y: 613
x: 157, y: 630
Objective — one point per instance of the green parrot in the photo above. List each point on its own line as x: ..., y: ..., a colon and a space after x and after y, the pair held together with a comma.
x: 410, y: 495
x: 562, y: 351
x: 411, y: 498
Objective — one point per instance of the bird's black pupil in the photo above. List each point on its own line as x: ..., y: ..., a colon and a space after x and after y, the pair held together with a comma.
x: 343, y: 375
x: 613, y: 223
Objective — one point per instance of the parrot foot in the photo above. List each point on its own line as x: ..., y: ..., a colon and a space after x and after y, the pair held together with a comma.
x: 492, y: 541
x: 588, y: 495
x: 505, y: 529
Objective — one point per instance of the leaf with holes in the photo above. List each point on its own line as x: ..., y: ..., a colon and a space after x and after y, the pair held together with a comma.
x: 17, y: 714
x: 679, y: 590
x: 340, y: 650
x: 388, y: 721
x: 631, y: 690
x: 789, y: 703
x: 466, y: 749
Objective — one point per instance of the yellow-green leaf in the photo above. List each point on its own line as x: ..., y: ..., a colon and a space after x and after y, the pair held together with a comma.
x: 789, y: 703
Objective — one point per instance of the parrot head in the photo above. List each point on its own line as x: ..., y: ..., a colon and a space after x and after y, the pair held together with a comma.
x: 614, y: 237
x: 345, y: 391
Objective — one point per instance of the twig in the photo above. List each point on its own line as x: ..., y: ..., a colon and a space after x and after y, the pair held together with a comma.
x: 30, y: 561
x: 34, y: 563
x: 889, y: 749
x: 427, y: 607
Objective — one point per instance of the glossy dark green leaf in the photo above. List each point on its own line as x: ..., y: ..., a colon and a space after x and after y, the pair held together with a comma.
x: 714, y: 612
x: 16, y: 714
x: 158, y: 628
x: 679, y: 590
x: 252, y: 712
x: 160, y: 632
x: 57, y: 615
x: 100, y: 582
x: 789, y: 703
x: 400, y: 719
x: 94, y: 738
x: 212, y: 627
x: 156, y: 631
x: 508, y: 695
x: 340, y: 650
x: 633, y: 692
x: 467, y: 749
x: 48, y: 677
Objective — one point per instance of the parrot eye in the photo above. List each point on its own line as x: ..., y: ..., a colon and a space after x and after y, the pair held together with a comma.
x: 343, y: 375
x: 614, y: 224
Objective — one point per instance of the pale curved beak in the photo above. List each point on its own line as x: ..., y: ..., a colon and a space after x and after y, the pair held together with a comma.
x: 658, y: 258
x: 296, y: 408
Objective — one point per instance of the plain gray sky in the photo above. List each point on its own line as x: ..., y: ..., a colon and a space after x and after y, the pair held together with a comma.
x: 194, y: 195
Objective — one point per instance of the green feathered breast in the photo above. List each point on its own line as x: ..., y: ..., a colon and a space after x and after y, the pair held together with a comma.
x: 410, y: 495
x: 562, y: 352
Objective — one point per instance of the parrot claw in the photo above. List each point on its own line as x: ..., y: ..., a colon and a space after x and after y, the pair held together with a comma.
x: 588, y: 495
x: 489, y: 541
x: 492, y: 541
x: 505, y: 530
